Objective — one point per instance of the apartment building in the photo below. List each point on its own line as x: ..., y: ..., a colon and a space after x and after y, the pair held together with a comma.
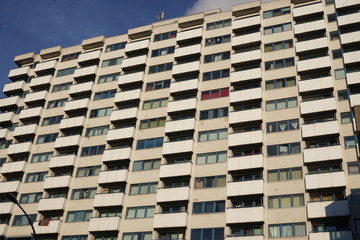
x: 236, y: 125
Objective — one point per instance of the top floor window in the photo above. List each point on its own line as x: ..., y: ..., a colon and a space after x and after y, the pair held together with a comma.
x: 277, y: 12
x: 70, y: 57
x: 164, y: 36
x: 115, y: 46
x: 218, y: 24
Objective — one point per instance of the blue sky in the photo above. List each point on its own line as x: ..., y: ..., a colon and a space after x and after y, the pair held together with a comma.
x: 32, y: 25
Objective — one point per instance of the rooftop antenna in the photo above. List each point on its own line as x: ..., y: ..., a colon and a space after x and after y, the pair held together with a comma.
x: 160, y: 16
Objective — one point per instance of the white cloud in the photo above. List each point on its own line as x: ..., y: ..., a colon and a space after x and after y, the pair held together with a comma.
x: 205, y: 5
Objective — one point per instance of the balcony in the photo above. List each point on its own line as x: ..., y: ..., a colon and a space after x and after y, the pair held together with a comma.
x: 81, y: 88
x: 309, y: 27
x: 52, y: 204
x: 51, y: 52
x: 53, y: 227
x: 325, y: 180
x: 307, y: 10
x: 248, y: 56
x: 353, y: 78
x: 136, y: 46
x: 319, y: 105
x: 245, y: 188
x: 36, y: 97
x: 3, y: 229
x: 319, y: 154
x: 14, y: 87
x: 246, y: 22
x: 4, y: 133
x: 30, y: 113
x: 6, y: 208
x: 180, y: 125
x: 332, y: 235
x: 187, y: 51
x: 173, y: 194
x: 77, y: 105
x: 175, y: 170
x: 9, y: 102
x: 354, y: 100
x: 85, y: 72
x: 348, y: 19
x: 246, y: 39
x: 313, y: 64
x: 170, y: 220
x: 114, y: 176
x: 19, y: 148
x: 13, y: 167
x: 327, y: 209
x: 116, y: 154
x: 62, y: 161
x: 19, y: 73
x: 140, y: 32
x: 46, y: 66
x: 40, y: 82
x: 67, y: 141
x: 104, y: 224
x: 132, y: 95
x: 186, y: 68
x: 245, y: 162
x: 245, y: 95
x: 25, y: 130
x: 178, y: 147
x: 57, y: 182
x: 7, y: 117
x: 187, y: 35
x: 351, y: 57
x: 71, y: 123
x: 245, y: 75
x: 109, y: 200
x: 10, y: 187
x: 245, y: 116
x: 115, y: 135
x: 245, y: 138
x: 311, y: 44
x: 131, y: 78
x: 182, y: 105
x: 94, y: 42
x: 134, y: 62
x: 315, y: 84
x: 320, y: 129
x: 350, y: 37
x: 22, y: 59
x: 244, y: 215
x: 89, y: 57
x: 124, y: 114
x: 188, y: 85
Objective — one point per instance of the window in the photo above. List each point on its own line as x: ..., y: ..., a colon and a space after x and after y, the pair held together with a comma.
x: 5, y: 144
x: 151, y: 123
x: 75, y: 237
x: 281, y: 63
x: 65, y: 72
x: 83, y: 193
x: 284, y: 174
x: 280, y: 83
x: 164, y: 36
x: 331, y: 17
x: 93, y: 150
x: 2, y: 160
x: 286, y: 201
x: 160, y: 68
x: 30, y: 197
x: 88, y: 171
x: 216, y: 57
x: 112, y: 62
x: 207, y: 76
x: 213, y: 157
x: 149, y: 143
x: 213, y: 135
x: 21, y: 220
x: 52, y: 120
x: 96, y: 131
x: 108, y: 237
x: 207, y: 234
x: 287, y: 230
x: 277, y: 28
x: 146, y: 165
x: 56, y: 103
x: 217, y: 40
x: 155, y: 103
x: 355, y: 195
x: 337, y: 53
x: 282, y: 126
x: 137, y: 236
x: 116, y: 46
x: 218, y: 24
x: 357, y: 225
x: 162, y: 51
x: 208, y: 207
x: 350, y: 141
x: 140, y: 212
x: 343, y: 94
x: 277, y: 12
x: 354, y: 167
x: 61, y: 87
x: 36, y: 177
x: 216, y: 93
x: 283, y: 149
x: 334, y: 35
x: 101, y: 112
x: 41, y: 157
x: 143, y: 188
x: 109, y: 78
x: 46, y: 138
x: 157, y: 85
x: 210, y: 182
x: 104, y: 94
x: 70, y: 57
x: 339, y: 74
x: 281, y: 104
x: 214, y: 113
x: 346, y: 117
x: 79, y: 216
x: 329, y: 2
x: 275, y: 46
